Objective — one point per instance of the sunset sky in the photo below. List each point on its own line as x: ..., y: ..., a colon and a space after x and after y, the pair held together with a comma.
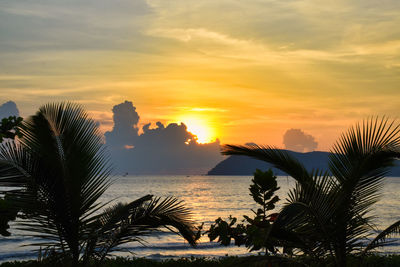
x: 242, y: 71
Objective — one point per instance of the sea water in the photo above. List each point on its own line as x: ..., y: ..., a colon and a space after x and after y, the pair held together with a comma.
x: 208, y: 197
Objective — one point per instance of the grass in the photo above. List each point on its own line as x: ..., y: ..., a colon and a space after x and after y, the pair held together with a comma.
x: 368, y: 261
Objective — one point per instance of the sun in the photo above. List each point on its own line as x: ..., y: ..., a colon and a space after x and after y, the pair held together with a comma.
x: 199, y: 127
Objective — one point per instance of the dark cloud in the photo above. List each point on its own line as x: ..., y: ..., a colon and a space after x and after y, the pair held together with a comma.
x: 8, y: 109
x: 164, y: 149
x: 125, y: 130
x: 297, y: 140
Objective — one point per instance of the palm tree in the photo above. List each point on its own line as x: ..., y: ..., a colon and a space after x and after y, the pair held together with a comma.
x: 330, y: 210
x: 60, y: 168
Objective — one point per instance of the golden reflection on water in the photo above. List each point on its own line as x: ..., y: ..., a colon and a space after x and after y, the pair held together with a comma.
x: 209, y: 197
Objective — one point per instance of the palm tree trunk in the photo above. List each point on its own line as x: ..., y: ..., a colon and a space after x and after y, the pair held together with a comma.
x: 75, y: 257
x: 340, y: 252
x: 341, y: 259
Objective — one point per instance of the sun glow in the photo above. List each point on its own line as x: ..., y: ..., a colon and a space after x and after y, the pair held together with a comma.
x: 199, y: 127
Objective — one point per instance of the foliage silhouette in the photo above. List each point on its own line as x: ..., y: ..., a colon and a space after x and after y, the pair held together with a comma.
x: 258, y: 232
x: 329, y: 211
x: 9, y: 129
x: 8, y: 213
x: 60, y: 168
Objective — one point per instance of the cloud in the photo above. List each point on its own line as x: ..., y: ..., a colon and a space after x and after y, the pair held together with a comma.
x: 125, y: 130
x: 8, y: 109
x: 297, y: 140
x: 164, y: 149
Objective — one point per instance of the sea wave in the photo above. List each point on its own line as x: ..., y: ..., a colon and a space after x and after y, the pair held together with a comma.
x: 208, y: 197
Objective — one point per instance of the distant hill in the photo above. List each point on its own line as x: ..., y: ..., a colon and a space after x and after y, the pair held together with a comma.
x: 243, y: 165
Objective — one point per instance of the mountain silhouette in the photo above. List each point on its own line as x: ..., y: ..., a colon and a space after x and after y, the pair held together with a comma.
x: 243, y: 165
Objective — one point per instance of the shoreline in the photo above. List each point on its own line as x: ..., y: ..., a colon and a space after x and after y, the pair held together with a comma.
x: 373, y: 259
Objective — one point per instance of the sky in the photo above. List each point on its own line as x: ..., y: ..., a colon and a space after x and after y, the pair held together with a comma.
x: 240, y: 71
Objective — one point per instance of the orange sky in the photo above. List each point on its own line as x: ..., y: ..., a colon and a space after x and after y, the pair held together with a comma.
x: 246, y: 70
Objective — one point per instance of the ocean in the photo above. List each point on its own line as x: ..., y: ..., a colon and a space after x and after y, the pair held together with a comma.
x: 209, y: 197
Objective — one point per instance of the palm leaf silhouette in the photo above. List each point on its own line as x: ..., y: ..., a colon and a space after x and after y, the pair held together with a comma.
x: 61, y: 168
x: 329, y: 210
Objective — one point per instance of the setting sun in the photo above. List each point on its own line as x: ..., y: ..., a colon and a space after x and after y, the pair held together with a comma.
x: 199, y: 127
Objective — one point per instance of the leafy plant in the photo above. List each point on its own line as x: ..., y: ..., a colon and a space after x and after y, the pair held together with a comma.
x: 7, y: 213
x: 255, y: 233
x: 61, y: 168
x: 9, y: 128
x: 329, y: 210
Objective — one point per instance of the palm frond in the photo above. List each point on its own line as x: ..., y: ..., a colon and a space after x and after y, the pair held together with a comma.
x: 310, y: 211
x: 61, y: 163
x: 130, y: 222
x: 381, y: 238
x: 365, y: 150
x: 278, y: 158
x: 15, y: 164
x: 359, y: 161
